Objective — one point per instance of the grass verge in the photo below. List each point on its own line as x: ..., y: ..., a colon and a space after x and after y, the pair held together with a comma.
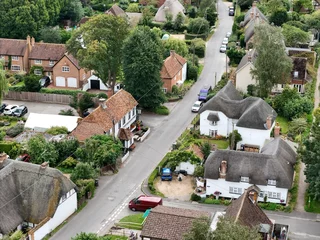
x: 133, y: 221
x: 116, y: 237
x: 312, y: 206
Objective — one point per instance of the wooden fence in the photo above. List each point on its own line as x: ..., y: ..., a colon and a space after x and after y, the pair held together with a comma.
x: 39, y: 97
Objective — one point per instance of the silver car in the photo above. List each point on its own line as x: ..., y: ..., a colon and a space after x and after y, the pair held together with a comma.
x: 225, y: 41
x: 223, y: 48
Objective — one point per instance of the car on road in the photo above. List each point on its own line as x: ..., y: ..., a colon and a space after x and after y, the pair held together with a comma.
x: 228, y: 35
x: 225, y: 41
x: 23, y: 158
x: 223, y: 48
x: 231, y: 11
x: 204, y: 92
x: 144, y: 202
x: 20, y: 111
x: 9, y: 109
x: 44, y: 81
x: 2, y: 107
x: 196, y: 106
x: 166, y: 174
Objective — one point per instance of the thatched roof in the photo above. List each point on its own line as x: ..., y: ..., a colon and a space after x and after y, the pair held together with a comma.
x: 213, y: 117
x: 251, y: 112
x: 275, y: 162
x: 173, y: 7
x: 29, y: 193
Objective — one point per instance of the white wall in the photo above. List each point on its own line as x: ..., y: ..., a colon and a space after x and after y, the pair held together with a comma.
x: 187, y: 166
x: 128, y: 121
x: 222, y: 186
x: 184, y: 72
x: 64, y: 210
x: 224, y: 125
x: 88, y: 84
x: 244, y: 78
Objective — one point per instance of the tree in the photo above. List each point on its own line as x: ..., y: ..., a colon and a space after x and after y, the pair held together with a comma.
x: 98, y: 46
x: 206, y: 149
x: 299, y: 4
x: 178, y: 22
x: 31, y: 83
x: 4, y: 85
x: 83, y: 171
x: 235, y: 55
x: 198, y: 26
x: 211, y: 15
x: 65, y: 148
x: 73, y: 11
x: 279, y: 17
x: 274, y: 5
x: 204, y: 5
x: 175, y: 157
x: 42, y: 151
x: 245, y: 4
x: 141, y: 66
x: 200, y: 230
x: 147, y: 17
x: 298, y: 126
x: 234, y: 138
x: 294, y: 36
x: 272, y: 65
x: 179, y: 46
x: 50, y: 35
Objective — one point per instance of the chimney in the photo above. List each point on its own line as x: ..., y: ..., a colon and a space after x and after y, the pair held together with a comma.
x: 223, y: 169
x: 28, y: 40
x: 44, y: 165
x: 3, y: 158
x: 253, y: 196
x: 257, y: 16
x: 250, y: 56
x: 277, y: 130
x: 32, y: 41
x: 102, y: 103
x: 172, y: 52
x: 251, y: 15
x: 269, y: 122
x: 254, y: 3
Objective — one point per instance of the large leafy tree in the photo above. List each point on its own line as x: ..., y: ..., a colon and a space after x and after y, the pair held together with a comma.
x: 272, y: 65
x: 141, y: 66
x: 279, y: 17
x: 293, y: 35
x: 98, y: 46
x: 179, y: 46
x: 50, y: 35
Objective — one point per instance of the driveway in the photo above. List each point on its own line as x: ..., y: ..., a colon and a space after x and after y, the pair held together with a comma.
x: 36, y: 107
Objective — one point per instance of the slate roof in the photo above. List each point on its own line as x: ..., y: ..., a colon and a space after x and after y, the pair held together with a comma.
x: 255, y: 11
x: 246, y: 212
x: 251, y: 112
x: 47, y: 51
x: 170, y: 6
x: 101, y: 120
x: 170, y: 223
x: 172, y: 65
x: 12, y: 47
x: 275, y: 162
x: 250, y: 56
x: 29, y: 193
x: 115, y: 10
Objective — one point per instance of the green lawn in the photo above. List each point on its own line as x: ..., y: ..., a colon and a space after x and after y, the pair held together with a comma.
x: 133, y: 221
x: 222, y: 144
x: 314, y: 205
x: 284, y: 124
x: 115, y: 237
x: 20, y: 84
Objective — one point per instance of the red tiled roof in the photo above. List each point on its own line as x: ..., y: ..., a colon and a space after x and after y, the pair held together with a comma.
x: 172, y: 65
x: 47, y: 51
x: 101, y: 119
x: 12, y: 47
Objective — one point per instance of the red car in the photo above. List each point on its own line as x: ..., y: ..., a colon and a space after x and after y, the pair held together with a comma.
x: 24, y: 158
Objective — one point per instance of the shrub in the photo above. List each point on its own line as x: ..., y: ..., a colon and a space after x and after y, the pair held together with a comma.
x: 235, y: 55
x: 17, y: 235
x: 199, y: 171
x: 84, y: 187
x: 198, y: 26
x: 17, y: 88
x: 195, y: 197
x: 83, y: 171
x: 162, y: 110
x: 175, y: 89
x: 133, y: 7
x: 124, y: 4
x: 68, y: 112
x: 15, y: 130
x: 31, y: 83
x: 57, y: 130
x: 192, y: 72
x: 64, y: 92
x: 102, y: 95
x: 6, y: 146
x: 199, y: 46
x: 70, y: 162
x: 206, y: 149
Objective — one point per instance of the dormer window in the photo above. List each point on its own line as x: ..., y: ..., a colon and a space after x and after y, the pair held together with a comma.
x: 213, y: 119
x: 272, y: 182
x: 245, y: 179
x: 295, y: 74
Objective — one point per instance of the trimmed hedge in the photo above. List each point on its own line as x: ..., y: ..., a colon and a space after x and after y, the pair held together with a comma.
x: 64, y: 92
x: 189, y: 36
x: 6, y: 146
x: 154, y: 175
x: 162, y: 110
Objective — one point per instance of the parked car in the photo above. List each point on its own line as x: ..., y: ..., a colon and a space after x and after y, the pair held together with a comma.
x: 2, y: 107
x: 9, y: 109
x: 228, y: 35
x: 203, y: 95
x: 166, y: 174
x: 231, y: 11
x: 196, y: 106
x: 225, y: 41
x: 44, y: 81
x: 223, y: 48
x: 20, y: 111
x: 23, y: 158
x: 143, y: 202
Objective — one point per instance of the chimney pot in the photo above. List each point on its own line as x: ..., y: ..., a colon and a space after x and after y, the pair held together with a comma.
x: 251, y: 14
x: 269, y: 122
x: 277, y: 130
x: 32, y: 41
x: 223, y: 169
x: 3, y: 157
x: 102, y: 102
x: 254, y: 3
x: 28, y: 39
x: 44, y: 165
x: 172, y: 52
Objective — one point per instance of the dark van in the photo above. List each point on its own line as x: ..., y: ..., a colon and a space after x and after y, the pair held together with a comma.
x: 204, y: 92
x: 143, y: 202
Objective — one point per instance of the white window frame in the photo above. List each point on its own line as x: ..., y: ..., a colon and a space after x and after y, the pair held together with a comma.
x: 65, y: 69
x: 274, y: 195
x: 37, y: 72
x: 295, y: 74
x: 213, y: 123
x: 18, y: 66
x: 119, y: 124
x: 129, y: 116
x: 235, y: 190
x: 15, y: 58
x: 51, y: 63
x: 261, y: 194
x: 213, y: 133
x: 124, y: 120
x: 38, y: 62
x: 245, y: 179
x: 164, y: 90
x: 272, y: 182
x: 298, y: 87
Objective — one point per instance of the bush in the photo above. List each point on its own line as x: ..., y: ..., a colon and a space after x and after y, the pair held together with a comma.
x: 70, y: 162
x: 17, y: 235
x: 17, y: 88
x: 235, y: 55
x: 84, y: 187
x: 102, y: 95
x: 133, y: 7
x: 199, y: 46
x: 64, y: 92
x: 192, y: 72
x: 68, y: 112
x: 195, y: 197
x: 15, y: 130
x: 175, y: 89
x: 198, y: 26
x: 83, y: 171
x: 124, y: 4
x: 162, y: 110
x: 57, y: 130
x: 31, y: 83
x: 199, y: 171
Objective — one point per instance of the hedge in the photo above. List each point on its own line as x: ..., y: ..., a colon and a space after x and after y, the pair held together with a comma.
x: 6, y: 146
x: 64, y: 92
x: 189, y: 36
x: 154, y: 175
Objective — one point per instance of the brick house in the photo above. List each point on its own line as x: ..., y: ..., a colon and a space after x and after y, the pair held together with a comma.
x: 174, y: 71
x: 68, y: 74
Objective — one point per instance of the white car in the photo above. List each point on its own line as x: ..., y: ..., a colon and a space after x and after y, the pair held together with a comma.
x: 228, y: 34
x: 196, y: 106
x: 9, y: 109
x: 225, y: 41
x: 223, y: 48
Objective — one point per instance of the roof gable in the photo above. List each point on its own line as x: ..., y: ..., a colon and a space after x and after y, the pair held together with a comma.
x: 12, y: 47
x: 170, y: 6
x: 253, y: 12
x: 115, y: 10
x: 172, y: 65
x: 70, y: 58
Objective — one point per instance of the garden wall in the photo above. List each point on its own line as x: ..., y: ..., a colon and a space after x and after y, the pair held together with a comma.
x: 38, y: 97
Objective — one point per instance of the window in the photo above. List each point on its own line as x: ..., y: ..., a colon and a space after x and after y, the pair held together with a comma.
x: 63, y: 197
x: 261, y: 194
x: 129, y: 114
x: 295, y: 74
x: 37, y: 61
x: 15, y: 58
x: 213, y: 123
x: 134, y: 111
x: 164, y: 90
x: 213, y: 133
x: 245, y: 179
x: 235, y: 190
x: 65, y: 69
x: 37, y: 72
x: 51, y: 63
x: 298, y: 87
x: 124, y: 120
x: 272, y: 182
x: 274, y: 195
x: 15, y: 68
x: 119, y: 124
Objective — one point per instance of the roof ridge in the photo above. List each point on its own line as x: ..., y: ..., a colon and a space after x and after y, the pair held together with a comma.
x: 241, y: 205
x: 176, y: 214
